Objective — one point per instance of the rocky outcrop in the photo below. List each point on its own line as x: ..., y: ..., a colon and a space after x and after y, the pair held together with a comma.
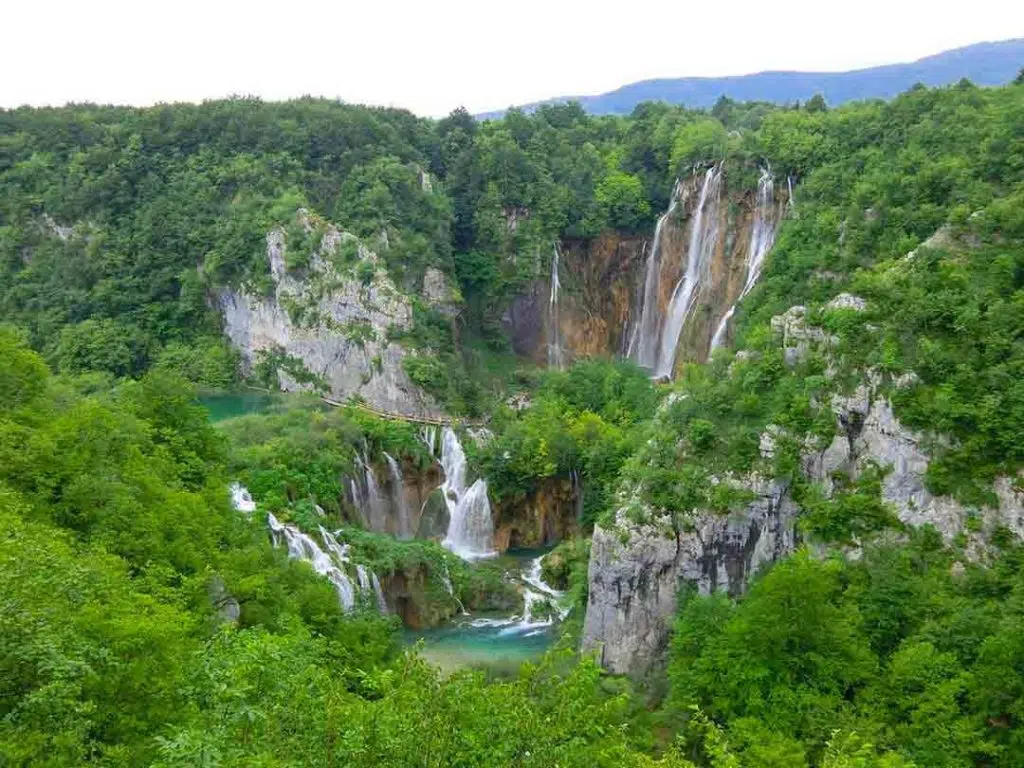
x: 637, y: 570
x: 416, y: 599
x: 329, y: 321
x: 538, y: 519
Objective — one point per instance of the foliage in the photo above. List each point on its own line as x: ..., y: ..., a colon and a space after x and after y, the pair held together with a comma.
x: 584, y: 421
x: 837, y: 662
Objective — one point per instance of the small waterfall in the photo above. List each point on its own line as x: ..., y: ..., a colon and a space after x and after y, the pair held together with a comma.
x: 536, y: 590
x: 643, y: 343
x: 470, y: 528
x: 446, y: 579
x: 368, y: 498
x: 762, y: 237
x: 368, y: 582
x: 703, y: 238
x: 302, y: 547
x: 331, y: 561
x: 404, y: 526
x: 241, y: 500
x: 556, y: 357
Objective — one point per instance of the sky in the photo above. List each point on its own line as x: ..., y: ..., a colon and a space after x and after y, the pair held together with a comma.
x: 431, y: 57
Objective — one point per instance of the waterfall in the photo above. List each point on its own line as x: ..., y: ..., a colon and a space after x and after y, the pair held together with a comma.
x: 446, y: 579
x: 470, y: 528
x: 643, y: 343
x: 368, y: 498
x: 762, y: 237
x: 241, y: 500
x: 555, y: 354
x: 404, y: 526
x: 302, y: 547
x: 368, y: 582
x: 331, y: 561
x: 536, y: 590
x: 703, y: 238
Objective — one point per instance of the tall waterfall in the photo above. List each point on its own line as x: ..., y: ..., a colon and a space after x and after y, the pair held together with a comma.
x: 403, y: 529
x: 556, y: 357
x: 470, y: 527
x: 762, y: 237
x: 703, y: 238
x: 643, y: 343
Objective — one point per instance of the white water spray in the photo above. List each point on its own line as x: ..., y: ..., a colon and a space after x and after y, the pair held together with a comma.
x: 301, y: 546
x: 703, y: 239
x: 762, y: 237
x: 470, y: 528
x: 331, y: 560
x: 241, y: 500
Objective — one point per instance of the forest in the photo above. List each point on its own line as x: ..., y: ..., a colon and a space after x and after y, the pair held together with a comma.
x: 146, y: 621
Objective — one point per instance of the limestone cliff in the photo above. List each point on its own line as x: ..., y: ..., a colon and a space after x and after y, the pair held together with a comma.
x: 330, y: 321
x: 606, y: 281
x: 636, y: 570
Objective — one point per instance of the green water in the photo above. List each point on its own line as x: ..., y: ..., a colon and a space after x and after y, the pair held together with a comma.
x: 497, y: 644
x: 228, y: 405
x: 497, y: 649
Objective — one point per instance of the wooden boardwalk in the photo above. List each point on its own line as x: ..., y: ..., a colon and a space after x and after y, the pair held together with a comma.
x: 438, y: 421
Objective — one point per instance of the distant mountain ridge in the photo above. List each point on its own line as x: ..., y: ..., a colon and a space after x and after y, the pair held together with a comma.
x: 988, y: 63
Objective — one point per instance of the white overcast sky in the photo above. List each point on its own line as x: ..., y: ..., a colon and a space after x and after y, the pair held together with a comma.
x: 432, y: 56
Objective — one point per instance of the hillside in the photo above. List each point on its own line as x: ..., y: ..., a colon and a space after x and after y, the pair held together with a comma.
x: 991, y: 63
x: 672, y: 440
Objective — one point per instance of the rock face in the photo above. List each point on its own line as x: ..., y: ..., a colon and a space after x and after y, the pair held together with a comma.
x: 598, y: 281
x: 636, y: 570
x: 633, y: 584
x: 330, y: 322
x: 539, y: 519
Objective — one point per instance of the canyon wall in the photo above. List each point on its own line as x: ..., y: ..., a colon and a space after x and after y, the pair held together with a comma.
x: 636, y: 570
x: 327, y: 325
x: 606, y: 281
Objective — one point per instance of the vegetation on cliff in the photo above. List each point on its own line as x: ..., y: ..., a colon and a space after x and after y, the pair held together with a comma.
x: 115, y: 224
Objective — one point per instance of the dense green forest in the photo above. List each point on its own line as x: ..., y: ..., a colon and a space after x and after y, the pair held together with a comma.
x: 121, y: 544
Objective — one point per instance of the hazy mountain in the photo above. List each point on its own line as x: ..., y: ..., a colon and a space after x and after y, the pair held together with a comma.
x: 982, y: 63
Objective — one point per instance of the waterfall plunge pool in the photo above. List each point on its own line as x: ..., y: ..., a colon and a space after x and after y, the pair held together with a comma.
x: 496, y: 644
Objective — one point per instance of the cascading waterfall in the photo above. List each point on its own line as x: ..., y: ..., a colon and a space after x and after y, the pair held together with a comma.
x: 762, y: 237
x: 535, y: 592
x: 643, y: 343
x: 556, y: 357
x: 301, y: 546
x: 470, y: 527
x: 331, y: 560
x: 368, y: 581
x: 241, y: 500
x: 703, y: 238
x: 404, y: 527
